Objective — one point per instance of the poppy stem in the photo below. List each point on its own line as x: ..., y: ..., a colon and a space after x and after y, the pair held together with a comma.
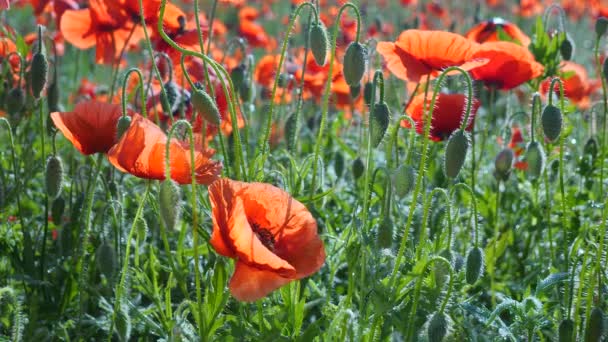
x: 425, y: 218
x: 473, y: 207
x: 142, y: 92
x: 536, y: 105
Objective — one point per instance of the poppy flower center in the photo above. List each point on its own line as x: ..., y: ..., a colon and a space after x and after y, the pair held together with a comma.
x: 264, y: 235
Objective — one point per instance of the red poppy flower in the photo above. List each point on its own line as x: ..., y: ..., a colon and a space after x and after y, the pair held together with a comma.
x: 273, y: 237
x: 141, y: 152
x: 447, y: 116
x: 91, y: 127
x: 510, y: 65
x: 487, y: 31
x: 418, y: 53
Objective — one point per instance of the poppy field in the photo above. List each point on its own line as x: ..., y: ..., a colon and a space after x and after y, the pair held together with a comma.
x: 323, y: 170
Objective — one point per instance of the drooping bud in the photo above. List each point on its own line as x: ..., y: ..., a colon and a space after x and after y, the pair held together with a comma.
x: 385, y: 236
x: 455, y: 153
x: 355, y: 59
x: 566, y: 331
x: 535, y: 157
x: 205, y: 105
x: 503, y: 164
x: 438, y: 327
x: 358, y: 168
x: 122, y: 126
x: 169, y: 203
x: 551, y: 122
x: 595, y: 329
x: 170, y: 101
x: 379, y: 120
x: 54, y: 176
x: 367, y: 92
x: 39, y: 68
x: 319, y: 42
x: 355, y: 91
x: 475, y: 264
x: 403, y: 180
x: 600, y: 26
x: 566, y: 49
x: 15, y: 100
x: 238, y: 76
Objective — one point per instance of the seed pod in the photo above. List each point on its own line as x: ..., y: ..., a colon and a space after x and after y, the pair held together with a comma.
x: 106, y: 260
x: 566, y: 331
x: 57, y: 209
x: 238, y: 75
x: 438, y: 327
x: 355, y: 91
x: 403, y: 180
x: 455, y: 153
x: 15, y: 100
x: 566, y: 49
x: 205, y: 106
x: 122, y: 126
x: 503, y: 163
x: 169, y: 198
x: 338, y: 164
x: 384, y: 238
x: 475, y: 263
x: 172, y: 98
x: 354, y: 63
x: 319, y: 42
x: 39, y: 74
x: 367, y: 93
x: 600, y: 26
x: 379, y: 120
x: 595, y: 326
x: 551, y: 121
x: 358, y: 168
x: 535, y: 157
x: 54, y: 176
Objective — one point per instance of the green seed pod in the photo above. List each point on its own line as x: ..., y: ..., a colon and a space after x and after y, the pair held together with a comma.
x: 238, y: 75
x: 54, y: 176
x: 57, y: 209
x: 403, y: 180
x: 455, y: 153
x: 368, y: 90
x: 600, y: 26
x: 566, y: 49
x: 15, y: 100
x: 319, y: 42
x: 551, y: 121
x: 355, y: 59
x: 358, y: 168
x: 122, y: 126
x: 338, y: 164
x: 379, y: 120
x: 169, y: 198
x: 385, y: 236
x: 475, y: 264
x: 566, y: 331
x: 123, y: 323
x: 595, y: 326
x: 355, y: 91
x: 172, y: 98
x: 205, y: 106
x: 503, y: 164
x: 438, y: 327
x: 39, y: 74
x: 106, y: 260
x: 535, y: 157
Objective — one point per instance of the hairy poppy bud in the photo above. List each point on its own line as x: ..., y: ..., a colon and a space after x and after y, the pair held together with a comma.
x: 474, y: 265
x: 438, y: 327
x: 319, y: 42
x: 39, y: 73
x: 106, y: 260
x: 551, y: 121
x: 169, y: 198
x: 54, y: 176
x: 566, y: 49
x: 122, y: 126
x: 535, y: 157
x: 15, y: 100
x: 57, y: 209
x: 354, y: 63
x: 566, y: 331
x: 384, y: 239
x: 358, y: 168
x: 205, y: 106
x: 503, y: 163
x: 170, y: 101
x: 595, y: 329
x: 355, y: 91
x: 52, y: 95
x: 379, y: 120
x: 403, y: 180
x: 338, y: 164
x: 238, y: 76
x: 600, y: 26
x: 367, y: 93
x: 455, y: 153
x: 291, y: 130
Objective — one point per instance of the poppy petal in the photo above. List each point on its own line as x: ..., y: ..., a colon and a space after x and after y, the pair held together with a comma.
x: 249, y: 283
x: 75, y: 26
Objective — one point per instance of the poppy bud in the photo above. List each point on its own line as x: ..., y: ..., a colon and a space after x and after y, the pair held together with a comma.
x: 106, y: 260
x: 169, y: 197
x: 122, y: 126
x: 605, y: 69
x: 438, y: 327
x: 123, y: 323
x: 595, y: 329
x: 15, y: 100
x: 247, y: 91
x: 566, y: 331
x: 205, y: 106
x: 57, y: 209
x: 379, y: 120
x: 503, y: 163
x: 384, y: 239
x: 591, y: 147
x: 39, y: 72
x: 338, y: 164
x: 171, y: 99
x: 238, y: 76
x: 52, y: 95
x: 367, y: 92
x: 354, y: 63
x: 358, y: 168
x: 551, y: 121
x: 319, y: 43
x: 455, y: 153
x: 600, y: 26
x: 403, y: 180
x: 535, y: 157
x: 441, y: 269
x: 474, y: 265
x: 355, y: 91
x: 54, y: 176
x: 284, y: 80
x: 566, y: 49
